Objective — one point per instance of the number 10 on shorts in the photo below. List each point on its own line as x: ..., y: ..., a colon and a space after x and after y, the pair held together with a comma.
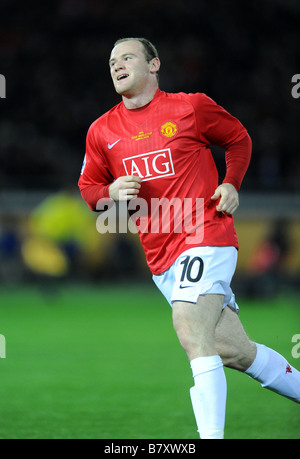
x: 192, y: 269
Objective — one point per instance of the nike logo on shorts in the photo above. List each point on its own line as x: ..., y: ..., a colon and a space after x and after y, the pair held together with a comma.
x: 113, y: 144
x: 185, y: 286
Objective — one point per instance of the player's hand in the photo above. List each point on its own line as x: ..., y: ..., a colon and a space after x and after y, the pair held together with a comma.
x: 229, y: 201
x: 125, y: 188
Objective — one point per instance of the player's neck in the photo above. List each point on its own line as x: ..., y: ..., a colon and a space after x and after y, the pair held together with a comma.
x: 139, y: 100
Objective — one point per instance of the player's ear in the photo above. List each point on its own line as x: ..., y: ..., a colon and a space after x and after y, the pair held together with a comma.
x: 154, y: 65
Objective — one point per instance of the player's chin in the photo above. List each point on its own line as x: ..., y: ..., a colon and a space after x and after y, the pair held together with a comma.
x: 117, y: 89
x: 121, y: 89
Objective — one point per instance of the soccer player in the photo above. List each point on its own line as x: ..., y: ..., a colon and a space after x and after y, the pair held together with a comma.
x: 153, y: 148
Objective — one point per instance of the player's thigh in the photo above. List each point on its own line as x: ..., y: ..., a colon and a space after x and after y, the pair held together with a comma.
x: 232, y: 342
x: 197, y: 320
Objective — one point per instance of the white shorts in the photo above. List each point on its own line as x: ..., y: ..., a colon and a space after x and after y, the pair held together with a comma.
x: 200, y: 271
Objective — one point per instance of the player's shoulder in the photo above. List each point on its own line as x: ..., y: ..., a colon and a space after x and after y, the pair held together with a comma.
x: 102, y: 119
x: 194, y: 99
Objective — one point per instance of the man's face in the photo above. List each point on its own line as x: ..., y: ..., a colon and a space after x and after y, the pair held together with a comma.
x: 129, y: 69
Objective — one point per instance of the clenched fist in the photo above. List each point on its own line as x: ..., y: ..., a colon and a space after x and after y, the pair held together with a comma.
x: 229, y: 201
x: 125, y: 188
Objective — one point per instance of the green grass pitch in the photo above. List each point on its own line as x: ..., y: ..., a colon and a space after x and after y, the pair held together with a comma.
x: 88, y: 363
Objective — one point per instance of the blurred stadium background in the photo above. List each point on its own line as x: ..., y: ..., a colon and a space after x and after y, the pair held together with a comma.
x: 54, y: 57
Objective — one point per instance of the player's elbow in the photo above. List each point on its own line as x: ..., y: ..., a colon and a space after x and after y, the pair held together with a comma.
x: 91, y: 196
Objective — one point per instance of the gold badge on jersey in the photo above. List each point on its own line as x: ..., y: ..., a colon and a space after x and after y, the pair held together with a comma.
x: 169, y: 129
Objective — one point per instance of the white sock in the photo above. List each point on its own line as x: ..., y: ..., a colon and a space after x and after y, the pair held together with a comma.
x: 274, y: 372
x: 209, y: 396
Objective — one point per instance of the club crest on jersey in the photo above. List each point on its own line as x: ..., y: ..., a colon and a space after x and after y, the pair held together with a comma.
x: 168, y: 129
x: 150, y: 166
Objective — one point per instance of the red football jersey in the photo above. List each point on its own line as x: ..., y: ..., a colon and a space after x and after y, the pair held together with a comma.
x: 167, y: 144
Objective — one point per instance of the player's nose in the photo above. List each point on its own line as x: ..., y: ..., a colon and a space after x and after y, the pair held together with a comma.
x: 119, y: 65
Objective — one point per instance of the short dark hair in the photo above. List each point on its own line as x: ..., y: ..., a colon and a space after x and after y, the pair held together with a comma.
x: 150, y: 50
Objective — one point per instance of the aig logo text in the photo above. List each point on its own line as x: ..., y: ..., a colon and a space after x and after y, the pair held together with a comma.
x: 150, y: 166
x: 2, y: 87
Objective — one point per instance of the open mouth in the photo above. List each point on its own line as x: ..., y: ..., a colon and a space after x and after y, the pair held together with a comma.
x: 122, y: 77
